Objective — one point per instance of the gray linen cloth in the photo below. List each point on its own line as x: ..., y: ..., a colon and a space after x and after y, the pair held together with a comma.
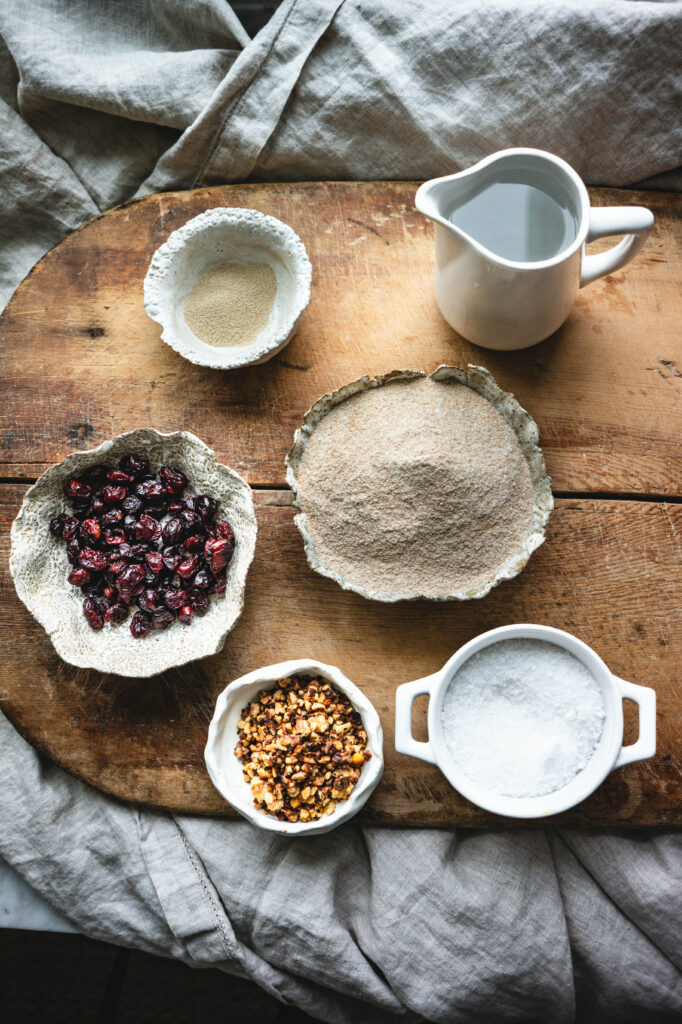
x: 101, y: 101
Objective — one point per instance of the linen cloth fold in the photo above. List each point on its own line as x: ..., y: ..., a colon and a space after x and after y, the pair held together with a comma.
x: 103, y: 101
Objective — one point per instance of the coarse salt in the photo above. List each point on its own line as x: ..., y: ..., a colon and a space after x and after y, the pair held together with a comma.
x: 522, y: 717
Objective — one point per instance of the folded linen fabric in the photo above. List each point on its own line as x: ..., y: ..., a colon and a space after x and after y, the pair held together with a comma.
x: 103, y: 101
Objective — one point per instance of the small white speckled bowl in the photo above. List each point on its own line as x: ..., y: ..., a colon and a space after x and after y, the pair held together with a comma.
x: 39, y: 565
x: 227, y: 235
x: 225, y: 768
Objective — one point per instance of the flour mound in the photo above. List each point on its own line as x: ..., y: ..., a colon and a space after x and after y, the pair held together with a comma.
x: 418, y: 487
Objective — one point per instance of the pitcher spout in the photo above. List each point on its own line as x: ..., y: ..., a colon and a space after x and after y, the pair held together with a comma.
x: 435, y: 197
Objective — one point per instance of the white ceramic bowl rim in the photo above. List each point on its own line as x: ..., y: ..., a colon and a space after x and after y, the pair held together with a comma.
x: 586, y: 781
x: 229, y: 781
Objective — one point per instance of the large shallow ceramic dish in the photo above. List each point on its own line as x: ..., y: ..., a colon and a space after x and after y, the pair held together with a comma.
x: 520, y: 421
x: 225, y: 768
x: 39, y: 565
x: 227, y: 235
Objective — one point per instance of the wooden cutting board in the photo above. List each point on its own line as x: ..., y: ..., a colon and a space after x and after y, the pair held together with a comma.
x: 81, y: 362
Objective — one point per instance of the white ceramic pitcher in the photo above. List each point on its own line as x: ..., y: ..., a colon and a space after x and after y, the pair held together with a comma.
x: 503, y: 303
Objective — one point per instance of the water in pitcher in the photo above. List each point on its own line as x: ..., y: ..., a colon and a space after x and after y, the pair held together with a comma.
x: 525, y: 219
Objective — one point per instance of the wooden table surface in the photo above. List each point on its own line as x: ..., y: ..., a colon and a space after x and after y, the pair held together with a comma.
x: 81, y: 362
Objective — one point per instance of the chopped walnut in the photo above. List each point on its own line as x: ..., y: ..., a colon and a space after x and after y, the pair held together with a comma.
x: 302, y: 745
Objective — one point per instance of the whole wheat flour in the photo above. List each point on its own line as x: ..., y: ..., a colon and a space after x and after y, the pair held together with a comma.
x: 415, y: 487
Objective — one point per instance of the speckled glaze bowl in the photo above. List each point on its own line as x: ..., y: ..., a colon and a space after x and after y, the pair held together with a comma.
x: 227, y: 235
x: 39, y: 565
x: 225, y: 768
x: 478, y: 379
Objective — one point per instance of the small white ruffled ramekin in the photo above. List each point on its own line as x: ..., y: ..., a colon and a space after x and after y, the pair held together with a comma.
x: 226, y: 769
x: 227, y: 235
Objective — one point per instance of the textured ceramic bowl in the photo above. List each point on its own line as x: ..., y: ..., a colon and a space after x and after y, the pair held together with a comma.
x: 477, y: 378
x: 227, y: 235
x: 39, y: 565
x: 225, y: 768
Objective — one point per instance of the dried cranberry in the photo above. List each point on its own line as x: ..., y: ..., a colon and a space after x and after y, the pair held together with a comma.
x: 151, y: 492
x: 90, y: 530
x: 154, y: 561
x: 79, y: 490
x: 57, y: 524
x: 101, y: 604
x: 148, y: 600
x: 176, y: 506
x: 129, y: 522
x: 117, y: 476
x: 217, y: 553
x: 204, y: 579
x: 194, y: 543
x: 220, y: 583
x: 186, y: 614
x: 111, y: 593
x: 174, y: 598
x: 162, y: 619
x: 172, y: 479
x: 131, y: 582
x: 198, y: 600
x: 147, y: 528
x: 91, y: 559
x: 113, y: 494
x: 97, y: 506
x: 224, y: 530
x: 73, y: 551
x: 116, y: 563
x: 189, y: 521
x: 140, y: 624
x: 125, y: 550
x: 131, y: 505
x: 77, y: 577
x: 115, y: 537
x: 171, y: 558
x: 134, y: 464
x: 116, y: 613
x: 205, y: 507
x: 111, y: 519
x: 189, y: 567
x: 172, y: 531
x: 71, y: 526
x: 139, y: 551
x: 92, y: 614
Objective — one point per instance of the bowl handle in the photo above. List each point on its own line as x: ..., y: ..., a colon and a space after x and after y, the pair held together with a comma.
x: 405, y: 743
x: 645, y: 746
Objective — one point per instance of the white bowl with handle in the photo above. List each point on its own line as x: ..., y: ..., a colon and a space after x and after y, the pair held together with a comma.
x: 226, y: 770
x: 608, y: 754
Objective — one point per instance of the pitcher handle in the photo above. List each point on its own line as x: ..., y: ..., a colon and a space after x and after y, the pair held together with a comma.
x: 635, y: 222
x: 405, y: 743
x: 645, y: 698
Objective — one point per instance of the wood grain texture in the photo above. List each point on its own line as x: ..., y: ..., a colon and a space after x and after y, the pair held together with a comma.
x: 80, y: 361
x: 609, y: 572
